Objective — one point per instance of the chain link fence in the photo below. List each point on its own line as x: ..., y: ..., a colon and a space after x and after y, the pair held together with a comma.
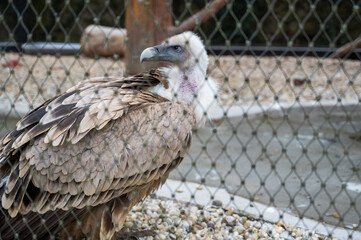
x: 282, y: 147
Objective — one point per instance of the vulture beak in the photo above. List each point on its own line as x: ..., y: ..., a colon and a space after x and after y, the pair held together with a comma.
x: 158, y: 53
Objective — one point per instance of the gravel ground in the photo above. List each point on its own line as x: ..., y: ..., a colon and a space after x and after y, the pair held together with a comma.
x: 285, y: 79
x: 177, y: 220
x: 35, y: 79
x: 268, y: 79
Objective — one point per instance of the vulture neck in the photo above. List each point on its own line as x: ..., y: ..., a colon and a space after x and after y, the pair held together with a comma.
x: 189, y: 85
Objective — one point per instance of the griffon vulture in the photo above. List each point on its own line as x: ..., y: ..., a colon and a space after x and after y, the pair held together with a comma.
x: 76, y: 165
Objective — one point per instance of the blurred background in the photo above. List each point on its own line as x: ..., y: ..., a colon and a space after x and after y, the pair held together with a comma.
x: 323, y: 23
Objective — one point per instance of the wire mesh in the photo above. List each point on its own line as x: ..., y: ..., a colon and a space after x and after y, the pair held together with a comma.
x: 282, y: 144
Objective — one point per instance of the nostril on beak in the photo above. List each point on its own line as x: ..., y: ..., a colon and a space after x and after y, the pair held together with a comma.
x: 157, y: 49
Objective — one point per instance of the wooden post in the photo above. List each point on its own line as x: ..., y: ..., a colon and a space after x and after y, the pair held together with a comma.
x: 147, y: 23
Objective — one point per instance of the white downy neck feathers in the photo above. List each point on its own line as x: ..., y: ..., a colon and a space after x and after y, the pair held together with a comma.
x: 188, y: 80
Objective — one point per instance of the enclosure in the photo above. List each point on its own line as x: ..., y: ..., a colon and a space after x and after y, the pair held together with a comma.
x: 281, y: 155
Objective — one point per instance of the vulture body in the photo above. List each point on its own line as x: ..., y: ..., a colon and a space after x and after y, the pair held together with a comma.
x: 77, y: 164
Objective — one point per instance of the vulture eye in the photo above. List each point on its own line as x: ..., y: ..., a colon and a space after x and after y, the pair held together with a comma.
x: 177, y: 48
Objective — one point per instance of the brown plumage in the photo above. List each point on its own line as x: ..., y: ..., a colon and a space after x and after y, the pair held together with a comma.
x: 77, y: 164
x: 106, y: 142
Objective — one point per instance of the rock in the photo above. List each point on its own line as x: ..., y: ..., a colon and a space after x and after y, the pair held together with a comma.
x: 161, y: 226
x: 211, y: 209
x: 169, y: 221
x: 230, y: 211
x: 172, y: 229
x: 285, y: 235
x: 220, y: 212
x: 192, y: 237
x: 218, y: 224
x: 240, y: 229
x: 257, y: 224
x: 128, y: 224
x: 177, y: 221
x: 194, y: 217
x: 247, y: 224
x: 193, y: 209
x: 197, y: 227
x: 207, y: 216
x: 278, y: 230
x: 160, y: 237
x: 210, y: 224
x: 204, y: 225
x: 229, y: 220
x: 186, y: 226
x: 217, y: 203
x: 281, y: 224
x: 264, y: 234
x: 275, y: 234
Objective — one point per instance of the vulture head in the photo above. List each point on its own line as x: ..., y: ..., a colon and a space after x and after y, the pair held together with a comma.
x: 186, y: 73
x: 185, y: 51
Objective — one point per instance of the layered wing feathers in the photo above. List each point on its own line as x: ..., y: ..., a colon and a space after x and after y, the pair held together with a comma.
x: 129, y: 152
x: 90, y: 104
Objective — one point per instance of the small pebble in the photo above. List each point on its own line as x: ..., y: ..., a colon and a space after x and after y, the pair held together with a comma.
x: 217, y: 203
x: 128, y: 224
x: 210, y: 224
x: 230, y: 211
x: 257, y: 225
x: 229, y: 220
x: 200, y: 187
x: 248, y: 224
x: 197, y: 227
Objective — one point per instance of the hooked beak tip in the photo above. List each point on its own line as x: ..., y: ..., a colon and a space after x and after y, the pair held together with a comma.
x: 147, y: 54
